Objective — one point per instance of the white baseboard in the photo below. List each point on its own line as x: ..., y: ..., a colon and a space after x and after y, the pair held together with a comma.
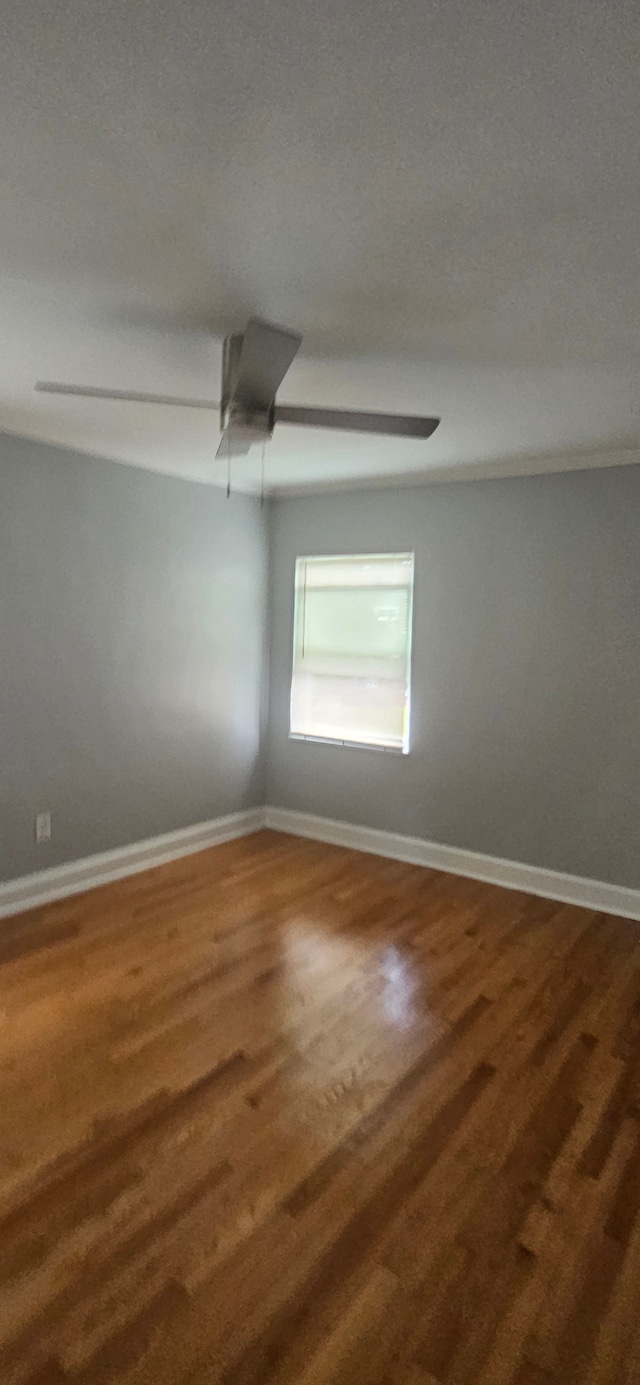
x: 551, y: 884
x: 43, y: 886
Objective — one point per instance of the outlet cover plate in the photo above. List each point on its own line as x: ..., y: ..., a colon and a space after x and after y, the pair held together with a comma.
x: 43, y: 827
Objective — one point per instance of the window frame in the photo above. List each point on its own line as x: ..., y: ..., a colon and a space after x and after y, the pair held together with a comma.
x: 348, y: 744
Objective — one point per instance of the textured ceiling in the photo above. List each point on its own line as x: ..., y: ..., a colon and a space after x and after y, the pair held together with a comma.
x: 442, y: 197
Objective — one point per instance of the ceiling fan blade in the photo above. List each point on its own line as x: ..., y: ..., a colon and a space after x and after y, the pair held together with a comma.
x: 233, y: 445
x: 265, y: 356
x: 347, y: 420
x: 129, y: 396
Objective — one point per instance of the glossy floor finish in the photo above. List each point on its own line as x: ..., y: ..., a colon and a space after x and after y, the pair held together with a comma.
x: 281, y: 1112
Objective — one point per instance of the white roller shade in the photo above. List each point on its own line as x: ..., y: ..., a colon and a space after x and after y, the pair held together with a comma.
x: 352, y: 649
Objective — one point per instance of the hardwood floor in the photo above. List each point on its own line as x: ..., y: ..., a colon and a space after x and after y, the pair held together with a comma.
x: 281, y: 1112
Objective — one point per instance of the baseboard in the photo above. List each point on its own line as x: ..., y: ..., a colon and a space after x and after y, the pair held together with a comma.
x: 43, y: 886
x: 551, y: 884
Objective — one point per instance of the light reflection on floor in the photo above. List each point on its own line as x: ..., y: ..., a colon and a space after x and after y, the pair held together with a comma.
x: 402, y: 1002
x: 364, y: 1053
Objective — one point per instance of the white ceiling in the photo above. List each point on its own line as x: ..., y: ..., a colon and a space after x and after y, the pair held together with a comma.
x: 441, y: 195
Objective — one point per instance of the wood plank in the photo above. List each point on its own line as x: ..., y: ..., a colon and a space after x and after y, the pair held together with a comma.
x: 284, y: 1111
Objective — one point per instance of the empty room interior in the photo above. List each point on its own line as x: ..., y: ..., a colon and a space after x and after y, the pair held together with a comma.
x: 320, y: 693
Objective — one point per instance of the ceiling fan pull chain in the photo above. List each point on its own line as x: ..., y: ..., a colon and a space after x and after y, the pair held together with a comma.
x: 228, y: 467
x: 262, y: 476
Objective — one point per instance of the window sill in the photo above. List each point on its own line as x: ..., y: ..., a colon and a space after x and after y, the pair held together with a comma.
x: 349, y: 745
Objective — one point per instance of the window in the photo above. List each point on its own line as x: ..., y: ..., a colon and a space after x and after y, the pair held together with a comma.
x: 352, y: 650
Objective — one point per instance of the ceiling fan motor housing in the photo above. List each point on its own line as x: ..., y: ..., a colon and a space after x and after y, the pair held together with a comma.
x: 253, y: 425
x: 235, y: 415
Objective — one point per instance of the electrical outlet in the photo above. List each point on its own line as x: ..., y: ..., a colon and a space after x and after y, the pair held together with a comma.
x: 43, y: 828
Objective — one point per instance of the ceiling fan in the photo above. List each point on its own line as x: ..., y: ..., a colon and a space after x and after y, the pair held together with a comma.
x: 254, y: 364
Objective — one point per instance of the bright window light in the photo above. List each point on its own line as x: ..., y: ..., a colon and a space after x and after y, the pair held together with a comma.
x: 352, y: 650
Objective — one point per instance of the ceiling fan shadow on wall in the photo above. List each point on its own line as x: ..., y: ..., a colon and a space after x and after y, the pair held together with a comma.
x: 254, y: 364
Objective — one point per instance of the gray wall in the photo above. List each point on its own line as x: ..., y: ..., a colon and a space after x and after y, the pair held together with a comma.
x: 133, y: 676
x: 526, y: 669
x: 132, y: 648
